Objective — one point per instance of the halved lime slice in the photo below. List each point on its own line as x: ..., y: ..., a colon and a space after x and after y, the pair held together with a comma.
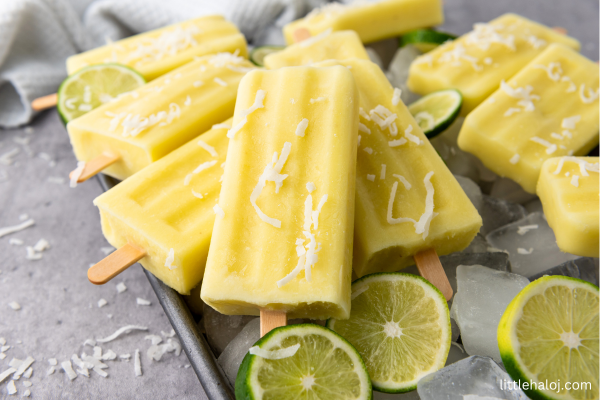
x: 436, y: 111
x: 400, y: 325
x: 324, y: 367
x: 93, y: 86
x: 548, y: 338
x: 257, y: 56
x: 425, y: 39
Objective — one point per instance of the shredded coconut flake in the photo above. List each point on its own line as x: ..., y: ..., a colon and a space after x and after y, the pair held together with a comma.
x: 514, y: 159
x: 526, y: 228
x: 258, y: 103
x: 363, y: 114
x: 550, y: 147
x: 208, y: 147
x: 220, y: 81
x: 371, y: 177
x: 12, y: 229
x: 121, y: 287
x: 137, y: 364
x: 575, y: 180
x: 120, y: 331
x: 570, y: 122
x: 587, y: 97
x: 188, y: 101
x: 511, y: 111
x: 397, y: 142
x: 102, y: 303
x: 584, y: 166
x: 310, y: 41
x: 169, y: 260
x: 301, y: 128
x: 219, y: 211
x: 196, y: 194
x: 310, y: 187
x: 411, y: 137
x: 6, y: 374
x: 272, y: 172
x: 142, y: 302
x: 317, y: 100
x: 553, y: 70
x: 404, y: 181
x: 197, y: 84
x: 275, y: 354
x: 363, y: 128
x: 204, y: 166
x: 11, y: 388
x: 521, y: 250
x: 455, y: 57
x: 68, y: 368
x: 14, y: 305
x: 368, y: 150
x: 382, y: 174
x: 76, y: 174
x: 524, y: 95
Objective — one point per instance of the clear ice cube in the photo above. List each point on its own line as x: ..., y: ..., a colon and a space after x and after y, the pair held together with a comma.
x: 397, y: 72
x: 477, y: 245
x: 497, y: 213
x: 476, y: 376
x: 498, y: 261
x: 480, y: 300
x: 221, y: 329
x: 231, y: 358
x: 585, y: 268
x: 472, y: 190
x: 507, y: 189
x: 531, y: 250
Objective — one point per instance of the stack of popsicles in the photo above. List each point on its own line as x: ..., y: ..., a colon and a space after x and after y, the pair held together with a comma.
x: 322, y: 172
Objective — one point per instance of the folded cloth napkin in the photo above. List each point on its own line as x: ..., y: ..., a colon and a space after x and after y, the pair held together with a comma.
x: 38, y: 35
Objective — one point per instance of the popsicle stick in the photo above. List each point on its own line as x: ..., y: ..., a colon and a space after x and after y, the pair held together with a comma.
x: 112, y: 265
x: 42, y: 103
x: 301, y: 34
x: 95, y: 166
x: 430, y: 268
x: 271, y: 319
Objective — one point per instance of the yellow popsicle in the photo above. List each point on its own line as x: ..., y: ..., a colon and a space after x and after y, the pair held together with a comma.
x: 478, y: 61
x: 407, y: 200
x: 372, y: 21
x: 549, y: 109
x: 149, y: 123
x: 166, y: 209
x: 283, y: 240
x: 159, y: 51
x: 568, y: 189
x: 334, y: 46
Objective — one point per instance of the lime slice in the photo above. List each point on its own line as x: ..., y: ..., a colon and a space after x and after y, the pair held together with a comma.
x: 400, y: 325
x: 257, y: 56
x: 436, y: 111
x: 425, y: 39
x: 548, y: 336
x: 324, y: 367
x: 93, y: 86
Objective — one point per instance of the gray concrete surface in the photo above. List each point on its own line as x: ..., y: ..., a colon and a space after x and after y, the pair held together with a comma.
x: 59, y: 306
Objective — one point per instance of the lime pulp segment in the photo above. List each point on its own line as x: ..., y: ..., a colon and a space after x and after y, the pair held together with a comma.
x: 400, y: 324
x: 435, y: 112
x: 549, y: 335
x: 93, y: 86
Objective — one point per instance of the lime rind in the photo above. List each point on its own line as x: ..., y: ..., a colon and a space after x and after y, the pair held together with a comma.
x: 509, y: 345
x: 443, y: 312
x: 102, y: 80
x: 425, y: 40
x: 247, y: 386
x: 257, y: 56
x: 436, y: 111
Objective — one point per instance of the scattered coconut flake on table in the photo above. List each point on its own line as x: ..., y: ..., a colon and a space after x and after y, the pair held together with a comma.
x: 137, y: 365
x: 53, y: 361
x: 15, y: 242
x: 521, y: 250
x: 23, y: 367
x: 4, y: 348
x: 109, y: 355
x: 7, y: 158
x: 142, y: 302
x: 526, y: 228
x: 2, y: 341
x: 10, y: 388
x: 26, y: 393
x: 32, y: 254
x: 125, y: 357
x: 50, y: 371
x: 76, y: 174
x: 301, y: 128
x: 14, y: 305
x: 275, y: 354
x: 68, y: 368
x: 155, y: 339
x: 88, y: 342
x: 168, y: 335
x: 102, y: 303
x: 12, y: 229
x: 7, y: 373
x: 396, y: 96
x: 56, y: 179
x: 575, y: 180
x: 120, y: 331
x: 121, y: 287
x: 27, y: 383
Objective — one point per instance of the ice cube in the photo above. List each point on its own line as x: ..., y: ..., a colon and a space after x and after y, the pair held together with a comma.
x: 472, y: 190
x: 232, y: 356
x: 477, y: 245
x: 397, y: 72
x: 374, y: 57
x: 534, y: 205
x: 222, y: 329
x: 497, y: 261
x: 585, y: 268
x: 507, y: 189
x: 477, y: 376
x: 482, y: 296
x: 531, y: 251
x: 497, y: 213
x: 385, y: 49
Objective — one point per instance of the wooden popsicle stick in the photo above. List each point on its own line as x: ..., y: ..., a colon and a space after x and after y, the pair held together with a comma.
x: 430, y: 268
x: 42, y: 103
x: 271, y: 319
x: 95, y: 166
x: 301, y: 34
x: 115, y: 263
x: 560, y: 29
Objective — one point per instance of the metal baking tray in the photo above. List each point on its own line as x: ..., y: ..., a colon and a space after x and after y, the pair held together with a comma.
x: 211, y: 376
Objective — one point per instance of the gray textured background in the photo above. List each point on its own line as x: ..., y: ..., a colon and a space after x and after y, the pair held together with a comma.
x: 59, y: 306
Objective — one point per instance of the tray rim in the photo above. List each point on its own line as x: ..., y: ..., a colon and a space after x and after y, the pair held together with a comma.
x: 212, y: 378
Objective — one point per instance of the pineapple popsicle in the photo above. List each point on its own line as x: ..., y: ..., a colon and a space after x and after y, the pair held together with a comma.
x: 147, y: 124
x: 159, y: 51
x: 372, y: 21
x: 407, y: 200
x: 549, y: 109
x: 568, y: 189
x: 335, y: 46
x: 283, y: 240
x: 140, y: 210
x: 478, y: 61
